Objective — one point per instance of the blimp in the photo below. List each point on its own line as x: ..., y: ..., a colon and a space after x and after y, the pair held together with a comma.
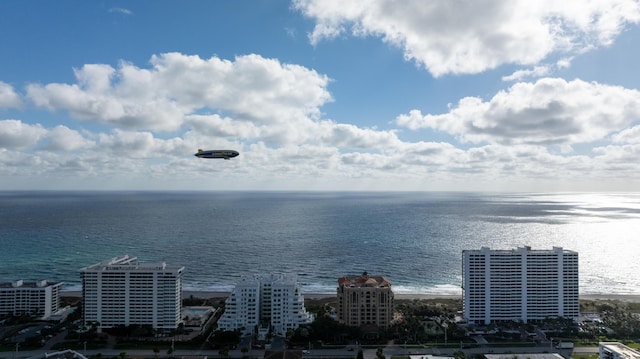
x: 226, y: 154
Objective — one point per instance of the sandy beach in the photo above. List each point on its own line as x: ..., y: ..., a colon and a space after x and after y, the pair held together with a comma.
x: 187, y: 294
x: 223, y: 295
x: 620, y: 297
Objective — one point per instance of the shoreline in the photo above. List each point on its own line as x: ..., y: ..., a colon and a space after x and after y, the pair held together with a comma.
x: 401, y: 296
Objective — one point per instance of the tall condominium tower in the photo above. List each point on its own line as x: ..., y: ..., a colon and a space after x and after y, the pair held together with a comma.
x: 519, y: 285
x: 365, y: 301
x: 122, y: 291
x: 265, y: 300
x: 32, y: 298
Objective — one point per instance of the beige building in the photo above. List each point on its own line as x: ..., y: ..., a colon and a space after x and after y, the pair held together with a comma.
x: 365, y: 301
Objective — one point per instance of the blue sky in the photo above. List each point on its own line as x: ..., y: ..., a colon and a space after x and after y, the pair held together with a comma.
x: 321, y: 95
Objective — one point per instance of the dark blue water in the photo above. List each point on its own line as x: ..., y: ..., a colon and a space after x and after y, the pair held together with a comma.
x: 414, y: 239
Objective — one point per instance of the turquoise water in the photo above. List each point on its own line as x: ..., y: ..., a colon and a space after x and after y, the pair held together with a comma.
x: 414, y: 239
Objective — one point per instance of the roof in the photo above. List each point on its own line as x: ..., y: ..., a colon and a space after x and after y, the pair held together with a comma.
x: 364, y: 280
x: 22, y: 284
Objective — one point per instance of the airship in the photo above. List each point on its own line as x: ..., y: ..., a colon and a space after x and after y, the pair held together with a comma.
x: 226, y: 154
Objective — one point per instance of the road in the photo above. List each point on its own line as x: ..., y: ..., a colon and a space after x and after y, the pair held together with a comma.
x: 369, y: 353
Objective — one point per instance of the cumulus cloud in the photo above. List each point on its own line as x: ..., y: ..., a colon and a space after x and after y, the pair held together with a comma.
x: 547, y: 112
x: 252, y: 88
x: 537, y: 71
x: 157, y: 117
x: 216, y: 126
x: 15, y: 134
x: 469, y: 37
x: 62, y: 138
x: 8, y: 97
x: 350, y: 136
x: 627, y: 136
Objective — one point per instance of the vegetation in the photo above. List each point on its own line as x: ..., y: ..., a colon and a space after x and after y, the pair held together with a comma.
x: 225, y: 339
x: 323, y: 329
x: 419, y: 322
x: 423, y: 320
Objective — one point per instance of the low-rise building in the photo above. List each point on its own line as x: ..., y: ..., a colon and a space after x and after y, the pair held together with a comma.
x: 40, y: 298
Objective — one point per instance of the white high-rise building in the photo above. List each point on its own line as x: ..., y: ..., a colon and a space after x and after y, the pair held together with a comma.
x: 122, y: 291
x: 519, y: 285
x: 40, y: 298
x: 242, y: 307
x: 265, y: 300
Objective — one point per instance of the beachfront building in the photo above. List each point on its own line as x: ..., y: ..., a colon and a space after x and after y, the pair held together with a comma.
x: 365, y: 301
x: 616, y: 350
x: 40, y: 298
x: 519, y: 284
x: 266, y: 302
x: 123, y: 291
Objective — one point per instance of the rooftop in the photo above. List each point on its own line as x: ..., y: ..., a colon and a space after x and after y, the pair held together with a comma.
x: 23, y: 284
x: 128, y: 263
x: 364, y: 280
x: 621, y: 349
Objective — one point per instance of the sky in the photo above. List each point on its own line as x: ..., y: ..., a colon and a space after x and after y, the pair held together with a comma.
x: 375, y: 95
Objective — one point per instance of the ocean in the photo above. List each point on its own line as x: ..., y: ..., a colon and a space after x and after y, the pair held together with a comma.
x: 414, y: 239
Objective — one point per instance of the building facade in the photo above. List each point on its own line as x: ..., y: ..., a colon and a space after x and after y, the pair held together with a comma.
x: 268, y: 301
x: 519, y: 285
x: 123, y: 291
x: 365, y: 301
x: 30, y: 298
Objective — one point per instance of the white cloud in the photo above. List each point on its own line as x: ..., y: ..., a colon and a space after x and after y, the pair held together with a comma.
x: 62, y: 138
x: 252, y: 88
x: 628, y: 136
x: 8, y: 97
x: 15, y: 134
x: 216, y: 126
x: 121, y: 10
x: 549, y: 112
x: 270, y: 112
x: 350, y: 136
x: 537, y: 71
x: 618, y: 160
x: 469, y: 37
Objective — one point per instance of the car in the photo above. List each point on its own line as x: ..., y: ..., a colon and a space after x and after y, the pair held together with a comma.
x: 306, y: 352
